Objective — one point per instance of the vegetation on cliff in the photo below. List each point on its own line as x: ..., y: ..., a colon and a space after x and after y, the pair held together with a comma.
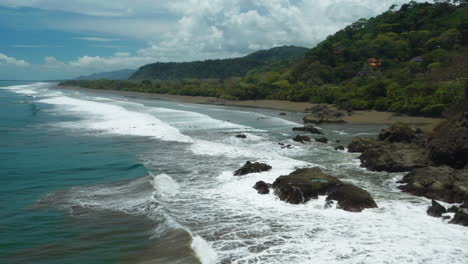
x: 412, y: 60
x: 219, y: 69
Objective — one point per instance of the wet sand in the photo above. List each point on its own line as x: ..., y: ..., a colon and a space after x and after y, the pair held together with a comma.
x: 361, y: 117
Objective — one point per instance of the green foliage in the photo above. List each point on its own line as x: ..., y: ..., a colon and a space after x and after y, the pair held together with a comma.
x: 219, y: 69
x: 408, y: 61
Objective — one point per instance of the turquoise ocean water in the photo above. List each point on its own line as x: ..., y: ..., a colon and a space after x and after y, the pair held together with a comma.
x: 101, y: 178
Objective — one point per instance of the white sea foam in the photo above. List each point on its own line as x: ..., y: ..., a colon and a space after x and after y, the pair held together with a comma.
x: 105, y: 117
x: 204, y: 251
x: 165, y: 185
x: 27, y: 89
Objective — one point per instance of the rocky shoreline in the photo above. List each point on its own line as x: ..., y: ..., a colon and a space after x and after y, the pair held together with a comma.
x: 436, y: 166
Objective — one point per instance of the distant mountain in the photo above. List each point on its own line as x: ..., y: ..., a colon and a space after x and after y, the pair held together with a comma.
x: 217, y: 69
x: 112, y: 75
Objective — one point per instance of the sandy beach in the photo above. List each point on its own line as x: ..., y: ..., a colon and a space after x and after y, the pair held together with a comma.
x: 358, y: 117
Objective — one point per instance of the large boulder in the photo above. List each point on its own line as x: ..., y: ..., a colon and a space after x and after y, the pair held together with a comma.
x: 360, y: 144
x: 460, y: 218
x: 441, y: 183
x: 323, y: 140
x: 449, y: 144
x: 250, y: 167
x: 394, y: 157
x: 352, y: 198
x: 262, y: 187
x: 436, y: 209
x: 401, y: 132
x: 304, y: 184
x: 308, y: 128
x: 301, y: 139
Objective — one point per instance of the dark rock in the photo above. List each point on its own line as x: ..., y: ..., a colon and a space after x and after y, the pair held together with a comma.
x: 398, y: 132
x: 460, y: 218
x: 465, y: 204
x: 340, y: 148
x: 282, y: 114
x: 360, y: 144
x: 250, y: 167
x: 338, y: 141
x: 352, y: 198
x: 308, y: 128
x: 241, y: 136
x: 453, y: 209
x: 449, y: 144
x: 436, y: 209
x: 301, y: 139
x: 262, y: 187
x: 394, y: 157
x: 328, y: 204
x: 441, y: 183
x: 303, y: 185
x: 445, y: 217
x: 322, y: 140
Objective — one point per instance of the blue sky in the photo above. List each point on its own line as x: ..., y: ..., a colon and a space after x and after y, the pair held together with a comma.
x: 56, y: 39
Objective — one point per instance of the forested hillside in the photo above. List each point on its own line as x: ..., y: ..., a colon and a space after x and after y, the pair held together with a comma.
x: 217, y: 68
x: 412, y: 60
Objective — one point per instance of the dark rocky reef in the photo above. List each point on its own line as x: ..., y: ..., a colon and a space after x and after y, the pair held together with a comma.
x: 436, y: 209
x: 241, y: 136
x: 352, y: 198
x: 398, y: 148
x: 323, y: 140
x: 304, y: 184
x: 301, y: 139
x: 308, y: 128
x: 440, y: 183
x: 437, y: 164
x: 252, y: 167
x: 262, y: 187
x: 449, y: 144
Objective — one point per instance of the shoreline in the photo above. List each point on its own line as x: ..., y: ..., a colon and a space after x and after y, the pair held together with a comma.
x: 358, y: 117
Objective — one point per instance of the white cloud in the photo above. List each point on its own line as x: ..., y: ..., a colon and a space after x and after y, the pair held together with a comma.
x: 97, y: 39
x: 4, y: 59
x: 186, y: 30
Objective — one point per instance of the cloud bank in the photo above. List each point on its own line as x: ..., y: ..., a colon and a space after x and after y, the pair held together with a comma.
x: 187, y: 30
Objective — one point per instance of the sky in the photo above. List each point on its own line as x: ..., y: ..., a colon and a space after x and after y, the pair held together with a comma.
x: 57, y: 39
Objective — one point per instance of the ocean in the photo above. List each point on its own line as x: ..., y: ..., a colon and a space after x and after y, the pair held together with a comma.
x: 90, y: 177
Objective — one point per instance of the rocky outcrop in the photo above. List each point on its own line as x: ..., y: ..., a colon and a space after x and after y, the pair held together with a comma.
x: 301, y: 139
x: 403, y: 133
x: 340, y: 148
x: 441, y: 183
x: 352, y: 198
x: 398, y: 148
x: 460, y: 218
x: 304, y: 184
x: 323, y: 114
x: 241, y: 136
x: 436, y: 209
x: 308, y: 128
x: 394, y: 157
x: 449, y: 145
x: 360, y: 144
x: 250, y: 167
x: 323, y: 140
x: 262, y: 187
